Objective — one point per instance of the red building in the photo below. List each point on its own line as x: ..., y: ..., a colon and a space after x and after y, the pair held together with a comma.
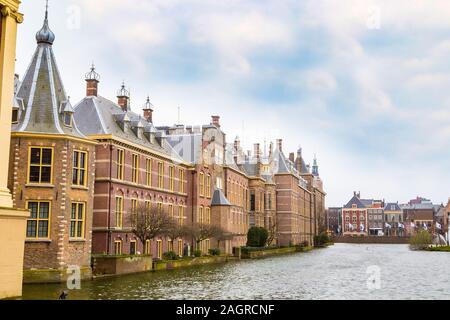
x: 354, y: 216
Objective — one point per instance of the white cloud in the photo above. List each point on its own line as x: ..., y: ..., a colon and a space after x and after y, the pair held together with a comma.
x: 351, y: 79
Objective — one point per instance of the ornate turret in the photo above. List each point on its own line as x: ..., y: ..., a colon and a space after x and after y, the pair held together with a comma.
x: 46, y: 106
x: 92, y: 80
x: 123, y: 97
x: 315, y: 167
x: 148, y: 110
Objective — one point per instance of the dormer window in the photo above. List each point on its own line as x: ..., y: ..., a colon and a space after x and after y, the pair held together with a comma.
x: 15, y: 115
x: 68, y: 119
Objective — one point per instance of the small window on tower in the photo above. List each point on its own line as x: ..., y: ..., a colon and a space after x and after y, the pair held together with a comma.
x: 15, y: 115
x: 68, y: 119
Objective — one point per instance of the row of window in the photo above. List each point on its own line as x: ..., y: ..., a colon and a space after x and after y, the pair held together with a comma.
x: 118, y: 247
x: 147, y: 205
x: 265, y: 201
x: 120, y: 163
x: 38, y: 224
x: 354, y: 218
x: 41, y: 166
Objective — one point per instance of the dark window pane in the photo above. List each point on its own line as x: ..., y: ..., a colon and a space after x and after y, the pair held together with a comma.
x: 80, y: 229
x: 15, y: 115
x: 44, y: 210
x: 46, y: 156
x: 74, y: 211
x: 45, y: 174
x: 75, y: 176
x: 31, y: 229
x: 35, y: 157
x: 43, y: 229
x: 82, y: 160
x: 80, y: 211
x: 34, y: 174
x: 67, y: 119
x: 75, y: 158
x: 33, y: 207
x: 82, y: 177
x: 72, y: 229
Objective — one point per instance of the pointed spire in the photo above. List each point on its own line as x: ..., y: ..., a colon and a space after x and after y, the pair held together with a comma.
x: 45, y: 35
x: 315, y: 167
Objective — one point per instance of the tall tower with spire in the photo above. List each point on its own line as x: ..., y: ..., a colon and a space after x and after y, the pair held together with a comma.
x: 51, y: 175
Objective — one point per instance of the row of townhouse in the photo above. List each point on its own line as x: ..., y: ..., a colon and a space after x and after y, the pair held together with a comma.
x: 81, y: 170
x: 362, y: 217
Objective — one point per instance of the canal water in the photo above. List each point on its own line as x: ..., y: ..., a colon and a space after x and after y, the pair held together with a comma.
x: 342, y: 271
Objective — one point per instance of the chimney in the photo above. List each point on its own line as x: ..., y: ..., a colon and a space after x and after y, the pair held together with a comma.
x: 148, y: 110
x: 280, y: 144
x: 292, y: 157
x: 92, y: 79
x: 123, y: 98
x: 215, y: 121
x: 256, y: 150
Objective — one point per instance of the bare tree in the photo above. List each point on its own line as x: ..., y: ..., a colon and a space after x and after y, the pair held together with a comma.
x: 202, y: 231
x: 272, y: 233
x: 148, y: 223
x: 174, y: 230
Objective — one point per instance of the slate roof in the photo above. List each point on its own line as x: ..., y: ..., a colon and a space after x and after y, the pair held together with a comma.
x: 97, y: 115
x: 188, y: 146
x: 355, y: 200
x: 392, y: 207
x: 41, y: 98
x: 219, y: 199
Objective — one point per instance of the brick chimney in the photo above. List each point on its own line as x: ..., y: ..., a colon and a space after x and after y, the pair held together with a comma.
x: 148, y: 110
x: 280, y: 144
x: 92, y: 79
x: 215, y: 121
x: 123, y: 98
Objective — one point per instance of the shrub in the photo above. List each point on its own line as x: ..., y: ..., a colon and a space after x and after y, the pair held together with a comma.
x: 214, y: 252
x: 197, y: 253
x: 321, y: 239
x: 421, y: 240
x: 304, y: 244
x: 170, y: 255
x: 257, y: 237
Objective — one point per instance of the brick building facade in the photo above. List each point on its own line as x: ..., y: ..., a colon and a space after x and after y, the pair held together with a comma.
x: 90, y: 166
x: 51, y: 170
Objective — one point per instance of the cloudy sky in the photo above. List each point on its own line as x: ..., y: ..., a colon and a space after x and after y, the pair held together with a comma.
x: 363, y: 84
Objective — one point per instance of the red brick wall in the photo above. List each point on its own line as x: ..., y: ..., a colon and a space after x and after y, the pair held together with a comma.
x: 58, y: 251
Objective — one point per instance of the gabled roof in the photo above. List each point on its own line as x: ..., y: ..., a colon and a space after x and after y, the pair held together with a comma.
x: 355, y: 200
